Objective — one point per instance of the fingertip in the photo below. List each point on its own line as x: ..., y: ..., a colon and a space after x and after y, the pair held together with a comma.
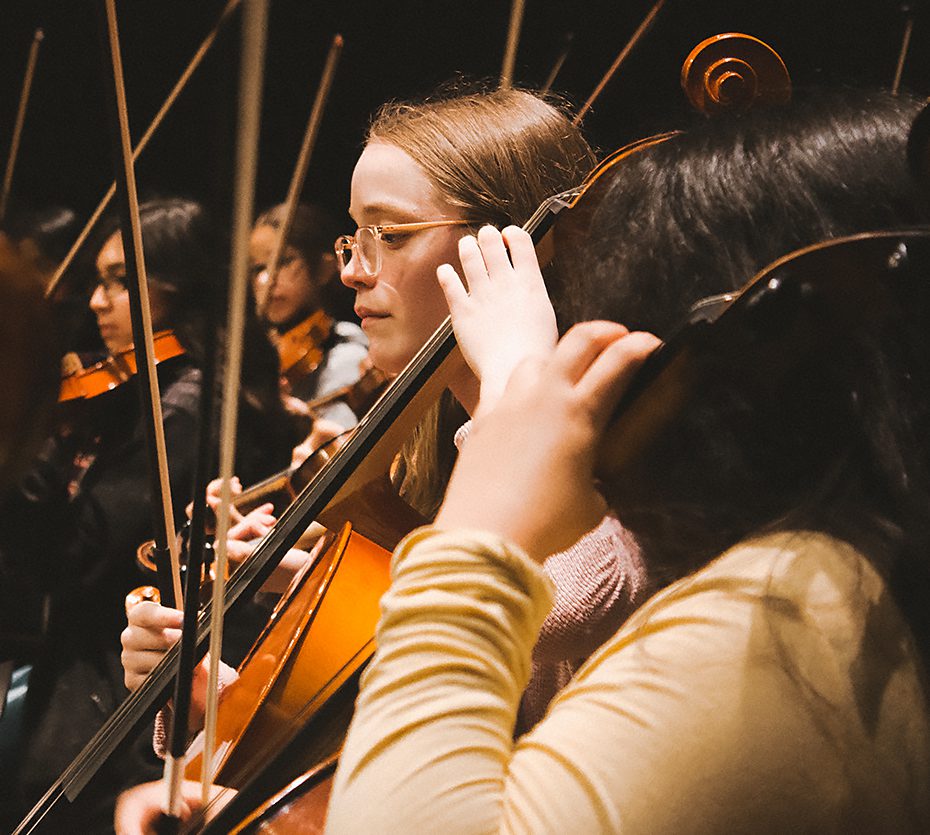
x: 513, y: 232
x: 467, y: 242
x: 445, y: 272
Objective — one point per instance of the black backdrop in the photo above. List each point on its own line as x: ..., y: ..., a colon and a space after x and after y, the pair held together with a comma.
x: 394, y: 49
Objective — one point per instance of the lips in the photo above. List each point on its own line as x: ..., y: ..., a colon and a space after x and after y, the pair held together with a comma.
x: 368, y: 313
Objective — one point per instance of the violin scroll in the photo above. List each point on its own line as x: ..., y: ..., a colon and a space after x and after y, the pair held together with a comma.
x: 733, y: 72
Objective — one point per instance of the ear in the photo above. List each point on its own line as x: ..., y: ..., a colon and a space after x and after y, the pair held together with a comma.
x: 326, y: 267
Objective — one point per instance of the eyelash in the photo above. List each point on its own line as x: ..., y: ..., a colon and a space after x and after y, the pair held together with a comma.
x: 391, y: 238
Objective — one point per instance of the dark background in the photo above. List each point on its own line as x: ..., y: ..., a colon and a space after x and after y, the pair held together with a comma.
x: 394, y: 49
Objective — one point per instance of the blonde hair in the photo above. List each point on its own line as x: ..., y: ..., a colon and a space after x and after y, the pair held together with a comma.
x: 496, y: 156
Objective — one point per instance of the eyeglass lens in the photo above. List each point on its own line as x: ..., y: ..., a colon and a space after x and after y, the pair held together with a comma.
x: 365, y: 245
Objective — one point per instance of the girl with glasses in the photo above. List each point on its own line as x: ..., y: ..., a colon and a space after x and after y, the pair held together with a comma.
x: 306, y: 297
x: 430, y: 173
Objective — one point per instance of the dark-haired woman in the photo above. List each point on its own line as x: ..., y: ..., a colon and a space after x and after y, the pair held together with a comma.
x: 76, y: 521
x: 778, y: 681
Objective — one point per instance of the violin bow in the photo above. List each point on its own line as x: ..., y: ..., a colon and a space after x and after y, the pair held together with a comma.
x: 513, y: 40
x: 185, y: 76
x: 557, y: 66
x: 20, y: 120
x: 300, y: 170
x: 618, y: 61
x: 143, y: 345
x: 251, y: 70
x: 908, y: 10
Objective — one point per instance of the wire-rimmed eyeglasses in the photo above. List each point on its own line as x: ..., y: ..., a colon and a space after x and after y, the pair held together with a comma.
x: 366, y: 242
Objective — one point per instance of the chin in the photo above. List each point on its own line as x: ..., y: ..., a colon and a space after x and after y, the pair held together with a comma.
x: 386, y: 361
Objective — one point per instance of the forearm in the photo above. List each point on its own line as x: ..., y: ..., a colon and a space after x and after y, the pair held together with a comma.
x: 433, y: 730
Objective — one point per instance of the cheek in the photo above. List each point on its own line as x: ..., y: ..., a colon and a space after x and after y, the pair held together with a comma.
x: 122, y: 315
x: 425, y: 305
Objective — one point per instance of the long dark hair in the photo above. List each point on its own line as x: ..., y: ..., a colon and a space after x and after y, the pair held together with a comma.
x: 52, y: 229
x: 186, y: 253
x: 313, y: 232
x: 840, y: 445
x: 703, y: 212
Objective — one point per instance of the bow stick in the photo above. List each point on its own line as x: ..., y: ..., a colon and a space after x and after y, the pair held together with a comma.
x: 300, y: 171
x: 513, y: 39
x: 557, y: 66
x: 254, y: 36
x: 185, y: 76
x: 20, y: 119
x: 624, y: 53
x: 908, y: 9
x: 150, y: 399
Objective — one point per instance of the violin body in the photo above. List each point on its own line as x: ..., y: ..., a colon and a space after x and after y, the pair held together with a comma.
x: 300, y: 349
x: 301, y: 672
x: 108, y: 374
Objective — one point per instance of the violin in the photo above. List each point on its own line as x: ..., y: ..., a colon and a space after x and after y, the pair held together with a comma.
x: 85, y: 383
x: 300, y: 349
x: 358, y: 396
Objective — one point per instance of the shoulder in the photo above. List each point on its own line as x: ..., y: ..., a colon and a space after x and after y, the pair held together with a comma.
x: 181, y: 385
x: 784, y: 663
x: 348, y: 333
x: 785, y: 580
x: 342, y: 365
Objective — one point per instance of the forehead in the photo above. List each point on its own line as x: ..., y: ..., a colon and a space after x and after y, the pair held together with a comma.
x: 111, y: 252
x: 388, y: 186
x: 262, y: 240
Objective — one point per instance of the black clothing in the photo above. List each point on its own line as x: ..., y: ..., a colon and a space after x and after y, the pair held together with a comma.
x: 73, y: 529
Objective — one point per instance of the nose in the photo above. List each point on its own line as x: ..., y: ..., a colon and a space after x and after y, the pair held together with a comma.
x: 99, y: 300
x: 354, y: 277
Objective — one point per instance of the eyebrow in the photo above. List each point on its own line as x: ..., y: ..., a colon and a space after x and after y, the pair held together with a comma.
x: 396, y: 210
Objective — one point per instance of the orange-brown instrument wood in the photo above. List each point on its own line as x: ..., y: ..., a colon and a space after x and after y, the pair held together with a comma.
x: 300, y: 349
x: 104, y: 376
x: 319, y: 635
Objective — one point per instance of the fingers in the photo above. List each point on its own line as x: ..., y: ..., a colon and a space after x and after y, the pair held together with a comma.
x: 215, y: 491
x: 611, y: 372
x: 254, y: 525
x: 237, y: 551
x: 522, y: 250
x: 581, y: 346
x: 452, y: 287
x: 152, y: 630
x: 490, y: 248
x: 149, y: 615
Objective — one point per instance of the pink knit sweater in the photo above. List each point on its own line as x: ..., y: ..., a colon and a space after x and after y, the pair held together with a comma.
x: 598, y: 582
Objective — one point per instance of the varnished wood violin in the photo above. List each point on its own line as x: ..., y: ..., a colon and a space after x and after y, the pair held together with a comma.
x: 116, y: 369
